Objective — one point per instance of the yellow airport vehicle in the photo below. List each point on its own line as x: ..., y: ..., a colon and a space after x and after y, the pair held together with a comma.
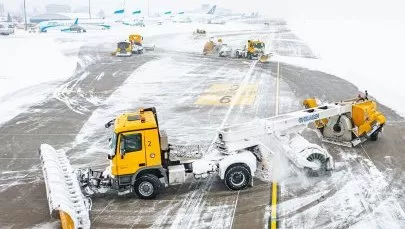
x: 142, y: 161
x: 124, y: 48
x: 255, y: 49
x: 199, y: 33
x: 136, y: 43
x: 211, y: 47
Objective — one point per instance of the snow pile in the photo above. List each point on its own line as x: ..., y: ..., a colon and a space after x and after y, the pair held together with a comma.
x: 366, y: 53
x: 47, y: 225
x: 30, y: 68
x: 354, y: 196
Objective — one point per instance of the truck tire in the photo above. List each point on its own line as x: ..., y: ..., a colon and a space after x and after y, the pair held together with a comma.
x: 237, y: 177
x: 374, y: 136
x: 147, y: 186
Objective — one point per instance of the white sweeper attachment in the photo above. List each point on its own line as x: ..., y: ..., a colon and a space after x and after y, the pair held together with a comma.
x: 63, y: 190
x: 305, y: 155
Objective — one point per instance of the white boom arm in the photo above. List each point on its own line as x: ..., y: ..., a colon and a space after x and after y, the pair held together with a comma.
x: 241, y: 136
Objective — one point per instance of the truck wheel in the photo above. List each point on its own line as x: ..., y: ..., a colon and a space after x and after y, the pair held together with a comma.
x: 237, y: 177
x: 374, y: 136
x: 147, y: 186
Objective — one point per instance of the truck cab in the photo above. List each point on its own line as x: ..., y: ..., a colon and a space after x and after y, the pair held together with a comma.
x: 141, y: 160
x: 255, y: 48
x: 136, y: 43
x: 124, y: 48
x: 135, y: 150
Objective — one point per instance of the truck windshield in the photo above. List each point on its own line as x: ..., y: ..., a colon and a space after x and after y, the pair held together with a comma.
x: 123, y: 45
x: 113, y: 143
x: 259, y: 45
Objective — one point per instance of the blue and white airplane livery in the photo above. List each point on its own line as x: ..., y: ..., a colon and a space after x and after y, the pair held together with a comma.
x: 72, y: 26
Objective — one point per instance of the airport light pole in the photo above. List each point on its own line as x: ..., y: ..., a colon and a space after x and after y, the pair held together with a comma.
x: 25, y: 17
x: 89, y: 10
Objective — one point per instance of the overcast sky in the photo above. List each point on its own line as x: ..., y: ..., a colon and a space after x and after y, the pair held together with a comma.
x: 296, y: 9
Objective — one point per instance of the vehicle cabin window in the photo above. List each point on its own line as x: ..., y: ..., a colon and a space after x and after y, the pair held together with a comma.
x: 133, y: 142
x: 123, y: 45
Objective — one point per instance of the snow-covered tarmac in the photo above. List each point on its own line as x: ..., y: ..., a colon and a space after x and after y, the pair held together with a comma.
x: 366, y: 189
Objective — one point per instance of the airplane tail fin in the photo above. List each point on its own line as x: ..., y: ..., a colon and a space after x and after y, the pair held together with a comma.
x: 212, y: 10
x: 76, y: 21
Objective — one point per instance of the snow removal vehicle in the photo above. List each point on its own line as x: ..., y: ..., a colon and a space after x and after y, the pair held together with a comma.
x: 255, y: 49
x: 133, y: 46
x: 225, y: 51
x: 142, y: 160
x: 211, y: 47
x: 358, y: 120
x: 124, y: 48
x: 136, y: 43
x: 199, y: 33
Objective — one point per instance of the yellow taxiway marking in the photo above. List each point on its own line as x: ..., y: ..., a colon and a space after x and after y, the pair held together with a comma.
x: 274, y: 187
x: 224, y: 95
x: 273, y: 220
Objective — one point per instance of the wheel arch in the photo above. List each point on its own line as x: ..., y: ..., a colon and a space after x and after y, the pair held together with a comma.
x: 244, y: 158
x: 158, y: 171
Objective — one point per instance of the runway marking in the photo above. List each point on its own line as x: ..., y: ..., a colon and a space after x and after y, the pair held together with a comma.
x: 226, y: 95
x: 277, y: 89
x: 273, y: 220
x: 234, y: 210
x: 365, y: 152
x: 274, y: 186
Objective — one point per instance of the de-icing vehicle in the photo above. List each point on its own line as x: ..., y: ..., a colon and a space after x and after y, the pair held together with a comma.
x: 142, y: 160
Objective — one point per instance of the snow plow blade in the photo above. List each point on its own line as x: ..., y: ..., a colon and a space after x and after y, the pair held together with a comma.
x: 265, y: 58
x: 64, y: 195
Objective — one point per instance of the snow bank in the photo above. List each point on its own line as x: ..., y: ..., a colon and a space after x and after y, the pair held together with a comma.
x: 366, y: 53
x: 32, y: 63
x: 354, y: 196
x: 47, y: 225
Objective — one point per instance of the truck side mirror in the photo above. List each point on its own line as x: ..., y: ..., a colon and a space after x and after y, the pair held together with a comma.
x: 122, y: 146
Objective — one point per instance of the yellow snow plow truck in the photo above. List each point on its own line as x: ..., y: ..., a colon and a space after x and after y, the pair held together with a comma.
x: 127, y: 48
x: 142, y: 161
x: 255, y: 49
x: 124, y: 48
x: 136, y: 43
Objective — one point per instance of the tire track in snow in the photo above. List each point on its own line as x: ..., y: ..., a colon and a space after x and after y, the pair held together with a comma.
x: 71, y: 94
x: 191, y: 206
